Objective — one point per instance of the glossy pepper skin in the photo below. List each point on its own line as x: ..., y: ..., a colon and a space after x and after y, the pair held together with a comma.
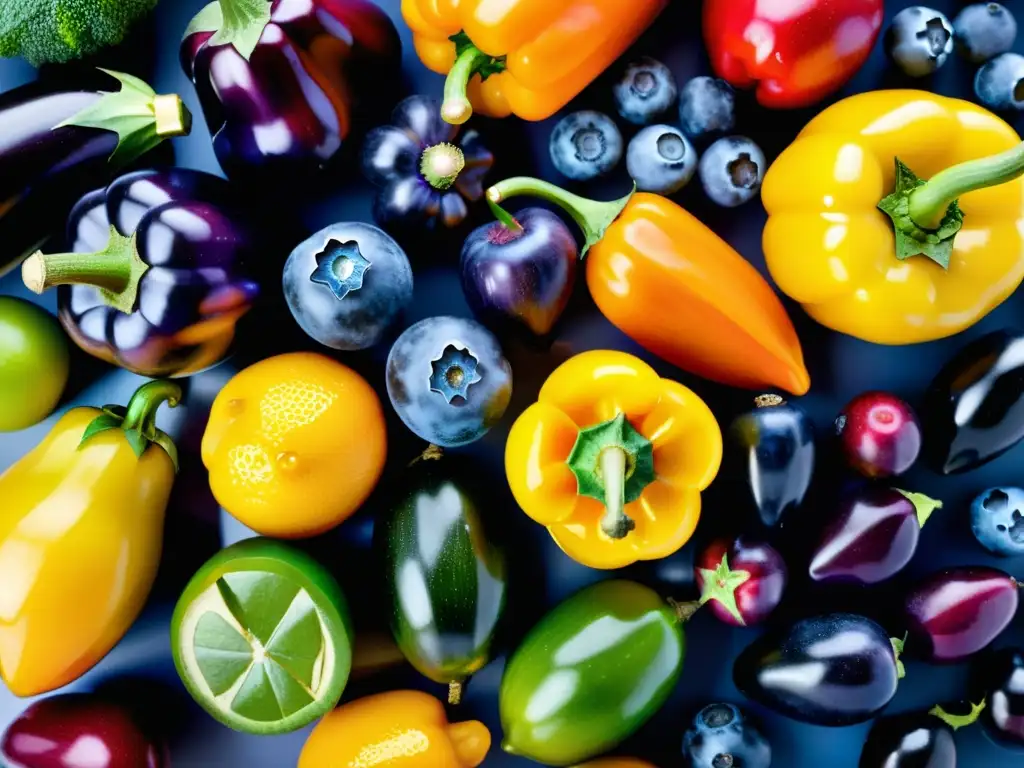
x: 677, y: 289
x: 59, y: 141
x: 98, y: 486
x: 829, y: 247
x: 160, y: 272
x: 794, y: 51
x: 284, y: 84
x: 595, y: 406
x: 398, y: 729
x: 534, y: 55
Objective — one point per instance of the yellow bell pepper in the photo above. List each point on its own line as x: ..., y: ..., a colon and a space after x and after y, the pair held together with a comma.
x: 80, y: 538
x: 870, y: 249
x: 612, y: 459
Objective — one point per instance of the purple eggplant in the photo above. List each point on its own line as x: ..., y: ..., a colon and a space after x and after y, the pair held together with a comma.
x: 285, y: 83
x: 426, y: 171
x: 56, y: 143
x: 1002, y: 677
x: 518, y: 274
x: 922, y: 739
x: 874, y: 535
x: 955, y: 613
x: 161, y: 271
x: 834, y: 670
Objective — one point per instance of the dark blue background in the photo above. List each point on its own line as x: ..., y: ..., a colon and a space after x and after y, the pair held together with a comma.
x: 141, y: 668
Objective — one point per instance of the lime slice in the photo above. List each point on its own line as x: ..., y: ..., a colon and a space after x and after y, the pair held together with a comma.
x: 262, y: 639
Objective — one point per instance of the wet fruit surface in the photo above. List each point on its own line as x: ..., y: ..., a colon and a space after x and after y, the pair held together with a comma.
x: 1003, y: 680
x: 722, y: 736
x: 879, y: 434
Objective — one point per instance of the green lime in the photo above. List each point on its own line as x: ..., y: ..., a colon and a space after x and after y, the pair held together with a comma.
x: 34, y: 362
x: 262, y: 638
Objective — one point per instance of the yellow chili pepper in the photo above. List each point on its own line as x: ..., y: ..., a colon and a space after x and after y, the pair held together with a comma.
x: 80, y: 538
x: 523, y: 57
x: 869, y: 248
x: 612, y: 459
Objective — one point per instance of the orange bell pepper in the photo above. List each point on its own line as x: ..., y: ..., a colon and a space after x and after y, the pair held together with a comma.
x: 523, y: 57
x: 612, y: 459
x: 677, y: 289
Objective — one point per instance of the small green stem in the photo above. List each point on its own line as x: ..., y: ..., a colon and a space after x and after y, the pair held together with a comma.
x: 592, y: 216
x: 441, y: 165
x: 956, y: 722
x: 929, y: 202
x: 923, y: 505
x: 455, y: 108
x: 615, y: 523
x: 141, y: 411
x: 898, y: 646
x: 41, y: 271
x: 507, y: 219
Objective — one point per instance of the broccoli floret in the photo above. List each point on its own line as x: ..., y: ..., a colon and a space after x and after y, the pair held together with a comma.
x: 58, y: 30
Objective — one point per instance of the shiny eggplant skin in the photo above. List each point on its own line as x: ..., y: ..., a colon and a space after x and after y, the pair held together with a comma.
x: 913, y: 740
x: 776, y: 443
x: 198, y: 285
x: 834, y: 670
x: 320, y: 71
x: 445, y: 577
x: 602, y: 663
x: 1003, y: 679
x: 974, y: 409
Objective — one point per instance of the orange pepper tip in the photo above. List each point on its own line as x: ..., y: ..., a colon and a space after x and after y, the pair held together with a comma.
x: 721, y: 584
x: 471, y: 741
x: 613, y: 463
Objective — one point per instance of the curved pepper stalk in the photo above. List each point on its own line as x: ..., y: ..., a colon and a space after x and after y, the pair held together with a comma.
x: 138, y: 419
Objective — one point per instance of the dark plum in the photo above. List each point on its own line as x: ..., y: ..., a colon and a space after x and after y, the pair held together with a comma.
x: 834, y: 670
x: 732, y: 170
x: 879, y: 434
x: 76, y: 729
x: 722, y: 737
x: 645, y: 90
x: 955, y: 613
x: 974, y: 409
x: 918, y: 739
x: 775, y: 442
x: 448, y: 380
x: 742, y: 580
x: 997, y: 520
x: 585, y: 145
x: 873, y: 535
x: 347, y: 284
x: 520, y: 273
x: 661, y: 159
x: 984, y: 30
x: 919, y: 40
x: 999, y: 84
x: 1002, y: 677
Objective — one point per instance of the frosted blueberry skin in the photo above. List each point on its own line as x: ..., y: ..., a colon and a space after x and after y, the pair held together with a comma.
x: 585, y: 145
x: 707, y: 106
x: 448, y: 380
x: 645, y: 91
x: 984, y: 30
x: 997, y: 520
x: 919, y: 40
x: 347, y: 284
x: 999, y: 84
x: 721, y: 736
x: 732, y: 170
x: 661, y: 159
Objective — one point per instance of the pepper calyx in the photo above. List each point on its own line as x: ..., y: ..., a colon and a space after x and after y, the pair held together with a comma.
x: 469, y: 61
x: 239, y: 23
x: 721, y: 584
x: 923, y: 505
x: 441, y: 165
x: 114, y: 271
x: 613, y: 463
x: 911, y: 238
x: 956, y: 722
x: 898, y: 644
x: 592, y: 216
x: 138, y: 420
x: 140, y: 118
x: 341, y: 267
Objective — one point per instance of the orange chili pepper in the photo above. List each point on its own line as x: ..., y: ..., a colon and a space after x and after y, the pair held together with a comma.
x: 677, y: 289
x: 523, y: 57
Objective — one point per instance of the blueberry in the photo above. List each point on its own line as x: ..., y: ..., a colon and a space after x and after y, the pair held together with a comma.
x: 984, y: 30
x: 448, y: 380
x: 997, y: 520
x: 707, y: 106
x: 999, y: 83
x: 585, y: 145
x: 721, y: 738
x: 732, y: 170
x: 347, y: 284
x: 919, y: 40
x: 645, y: 91
x: 661, y: 159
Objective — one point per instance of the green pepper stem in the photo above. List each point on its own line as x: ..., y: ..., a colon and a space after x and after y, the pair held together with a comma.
x: 141, y: 412
x: 441, y: 165
x: 956, y: 722
x: 172, y: 116
x: 455, y: 108
x: 42, y: 271
x: 592, y: 216
x: 929, y: 202
x: 923, y: 505
x: 507, y: 219
x: 615, y: 523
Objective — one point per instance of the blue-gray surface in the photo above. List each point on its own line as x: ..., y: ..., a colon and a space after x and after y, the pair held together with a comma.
x: 840, y: 367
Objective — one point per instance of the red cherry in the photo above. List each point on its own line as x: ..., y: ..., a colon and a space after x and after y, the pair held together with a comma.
x: 73, y: 730
x: 879, y: 434
x: 741, y: 580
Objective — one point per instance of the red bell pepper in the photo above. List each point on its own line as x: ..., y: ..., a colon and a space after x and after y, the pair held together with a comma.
x: 795, y: 51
